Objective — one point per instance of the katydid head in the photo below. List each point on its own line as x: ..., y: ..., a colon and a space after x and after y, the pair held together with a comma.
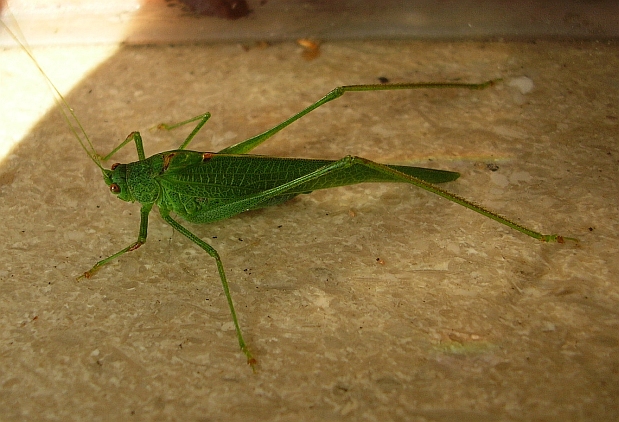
x: 116, y: 179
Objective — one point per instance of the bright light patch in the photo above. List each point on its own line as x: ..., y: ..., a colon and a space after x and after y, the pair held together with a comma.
x: 54, y: 28
x: 25, y: 94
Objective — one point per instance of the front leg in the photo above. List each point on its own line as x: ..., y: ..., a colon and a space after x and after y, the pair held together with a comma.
x: 145, y: 210
x: 133, y: 136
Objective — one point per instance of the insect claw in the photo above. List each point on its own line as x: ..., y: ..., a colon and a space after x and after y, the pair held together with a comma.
x: 87, y: 274
x: 557, y: 238
x: 163, y: 126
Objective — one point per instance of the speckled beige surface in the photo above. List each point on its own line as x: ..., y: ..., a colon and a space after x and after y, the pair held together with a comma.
x: 458, y: 319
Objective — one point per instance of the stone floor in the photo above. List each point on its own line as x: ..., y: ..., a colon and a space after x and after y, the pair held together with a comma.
x: 372, y: 302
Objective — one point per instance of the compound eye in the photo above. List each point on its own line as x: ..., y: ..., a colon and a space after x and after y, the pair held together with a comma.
x: 114, y: 165
x: 114, y: 188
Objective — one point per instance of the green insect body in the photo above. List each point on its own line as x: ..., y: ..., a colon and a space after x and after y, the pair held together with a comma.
x: 206, y: 187
x: 203, y: 187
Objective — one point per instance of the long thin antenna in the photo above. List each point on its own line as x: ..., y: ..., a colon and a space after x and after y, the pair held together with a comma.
x: 67, y: 112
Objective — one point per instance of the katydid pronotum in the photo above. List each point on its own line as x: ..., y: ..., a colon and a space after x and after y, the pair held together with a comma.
x: 203, y: 187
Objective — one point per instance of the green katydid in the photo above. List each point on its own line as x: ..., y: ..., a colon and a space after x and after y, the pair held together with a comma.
x: 203, y: 187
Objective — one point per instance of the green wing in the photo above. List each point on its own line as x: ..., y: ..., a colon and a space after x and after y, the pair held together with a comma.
x: 196, y: 185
